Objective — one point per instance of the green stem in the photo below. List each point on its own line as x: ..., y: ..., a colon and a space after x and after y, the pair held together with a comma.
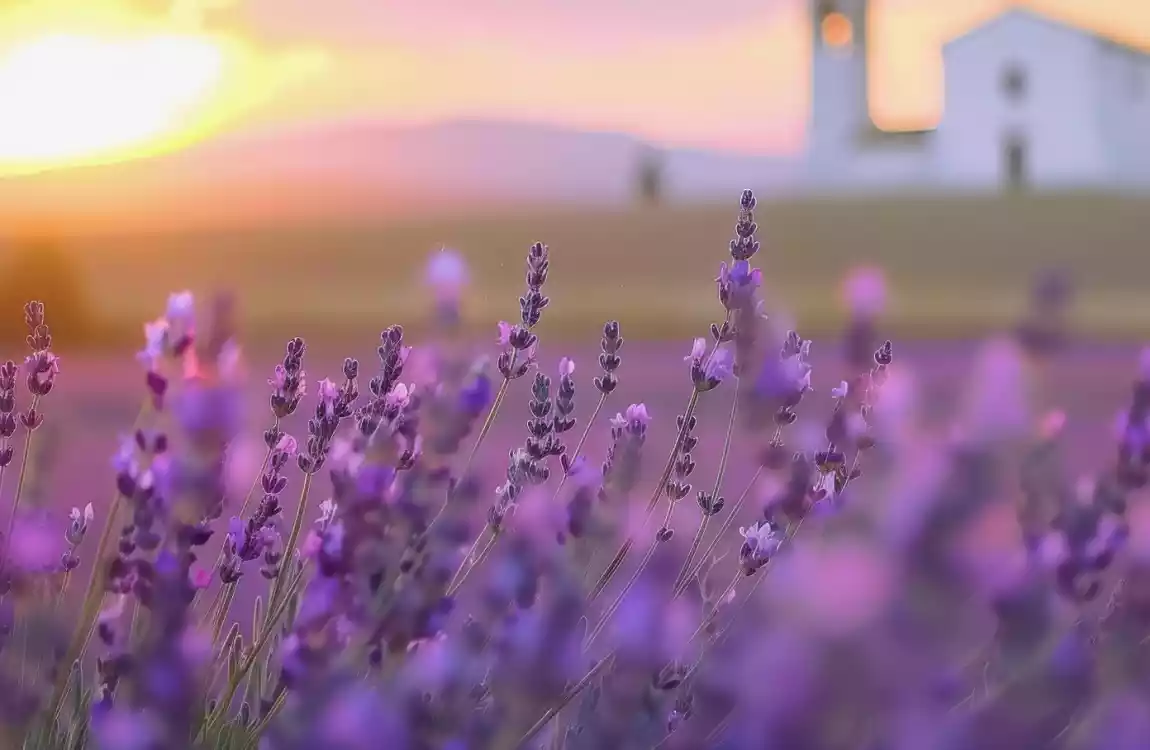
x: 463, y: 572
x: 255, y: 483
x: 274, y: 614
x: 618, y: 601
x: 266, y: 720
x: 758, y: 579
x: 222, y: 613
x: 23, y: 472
x: 210, y: 612
x: 574, y: 454
x: 93, y: 596
x: 488, y: 422
x: 62, y: 591
x: 713, y: 609
x: 89, y: 610
x: 730, y: 519
x: 243, y: 509
x: 706, y: 517
x: 565, y: 700
x: 628, y: 543
x: 465, y: 568
x: 289, y: 548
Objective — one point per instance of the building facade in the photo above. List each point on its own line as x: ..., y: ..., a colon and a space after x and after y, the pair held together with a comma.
x: 1030, y: 103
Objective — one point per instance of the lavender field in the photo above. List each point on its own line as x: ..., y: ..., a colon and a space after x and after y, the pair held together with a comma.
x: 863, y: 541
x: 99, y: 397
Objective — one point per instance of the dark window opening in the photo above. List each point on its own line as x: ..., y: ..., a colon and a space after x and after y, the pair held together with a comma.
x: 1014, y: 83
x: 1016, y: 163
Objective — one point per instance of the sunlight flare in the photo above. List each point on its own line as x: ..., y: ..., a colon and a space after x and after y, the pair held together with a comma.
x: 67, y: 96
x: 102, y: 81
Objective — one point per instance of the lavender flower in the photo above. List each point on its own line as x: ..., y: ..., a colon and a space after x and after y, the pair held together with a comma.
x: 565, y: 398
x: 518, y: 340
x: 624, y: 456
x: 609, y: 359
x: 288, y: 384
x: 80, y: 520
x: 365, y: 631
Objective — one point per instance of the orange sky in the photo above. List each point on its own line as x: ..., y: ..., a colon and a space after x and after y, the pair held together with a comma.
x: 741, y: 84
x: 725, y: 73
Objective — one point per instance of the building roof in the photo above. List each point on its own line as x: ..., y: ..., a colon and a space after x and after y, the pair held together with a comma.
x: 1103, y: 38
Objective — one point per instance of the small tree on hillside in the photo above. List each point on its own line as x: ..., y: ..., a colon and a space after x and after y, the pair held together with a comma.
x: 650, y: 178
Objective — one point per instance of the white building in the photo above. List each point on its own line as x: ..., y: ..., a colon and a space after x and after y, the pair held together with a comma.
x: 1030, y: 102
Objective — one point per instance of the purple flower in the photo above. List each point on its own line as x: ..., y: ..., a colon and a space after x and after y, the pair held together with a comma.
x: 864, y: 291
x: 476, y: 393
x: 318, y: 600
x: 357, y: 717
x: 737, y: 283
x: 126, y: 730
x: 328, y: 396
x: 181, y: 308
x: 287, y: 444
x: 201, y: 408
x: 372, y: 480
x: 740, y: 276
x: 82, y: 518
x: 505, y: 329
x: 635, y: 418
x: 155, y: 343
x: 399, y: 396
x: 787, y: 377
x: 446, y: 274
x: 36, y: 544
x: 637, y: 413
x: 236, y: 531
x: 41, y: 363
x: 743, y: 276
x: 698, y: 350
x: 584, y: 474
x: 721, y: 366
x: 125, y: 460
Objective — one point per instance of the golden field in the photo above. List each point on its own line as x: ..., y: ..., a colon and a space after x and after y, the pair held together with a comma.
x: 957, y: 266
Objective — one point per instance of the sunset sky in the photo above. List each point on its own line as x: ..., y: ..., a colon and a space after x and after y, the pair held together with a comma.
x: 718, y: 73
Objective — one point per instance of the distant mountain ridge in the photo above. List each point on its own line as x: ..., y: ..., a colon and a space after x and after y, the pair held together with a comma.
x: 371, y: 170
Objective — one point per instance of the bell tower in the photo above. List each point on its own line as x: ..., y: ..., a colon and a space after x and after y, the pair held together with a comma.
x: 840, y: 105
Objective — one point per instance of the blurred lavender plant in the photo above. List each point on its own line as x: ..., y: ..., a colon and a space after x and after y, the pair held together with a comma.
x: 911, y: 606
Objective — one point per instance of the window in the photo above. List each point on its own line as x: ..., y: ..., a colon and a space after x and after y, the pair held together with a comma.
x: 1014, y: 82
x: 837, y: 30
x: 1015, y: 162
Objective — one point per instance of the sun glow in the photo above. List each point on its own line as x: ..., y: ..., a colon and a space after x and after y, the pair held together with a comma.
x: 97, y: 81
x: 67, y: 96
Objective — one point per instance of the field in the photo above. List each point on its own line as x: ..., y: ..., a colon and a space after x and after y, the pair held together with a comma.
x: 957, y: 266
x: 98, y: 398
x: 958, y: 270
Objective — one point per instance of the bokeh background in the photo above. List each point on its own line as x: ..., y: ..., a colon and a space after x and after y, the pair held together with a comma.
x: 309, y: 157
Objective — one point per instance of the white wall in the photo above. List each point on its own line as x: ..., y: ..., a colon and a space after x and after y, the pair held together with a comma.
x: 1057, y: 114
x: 890, y: 164
x: 1124, y: 112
